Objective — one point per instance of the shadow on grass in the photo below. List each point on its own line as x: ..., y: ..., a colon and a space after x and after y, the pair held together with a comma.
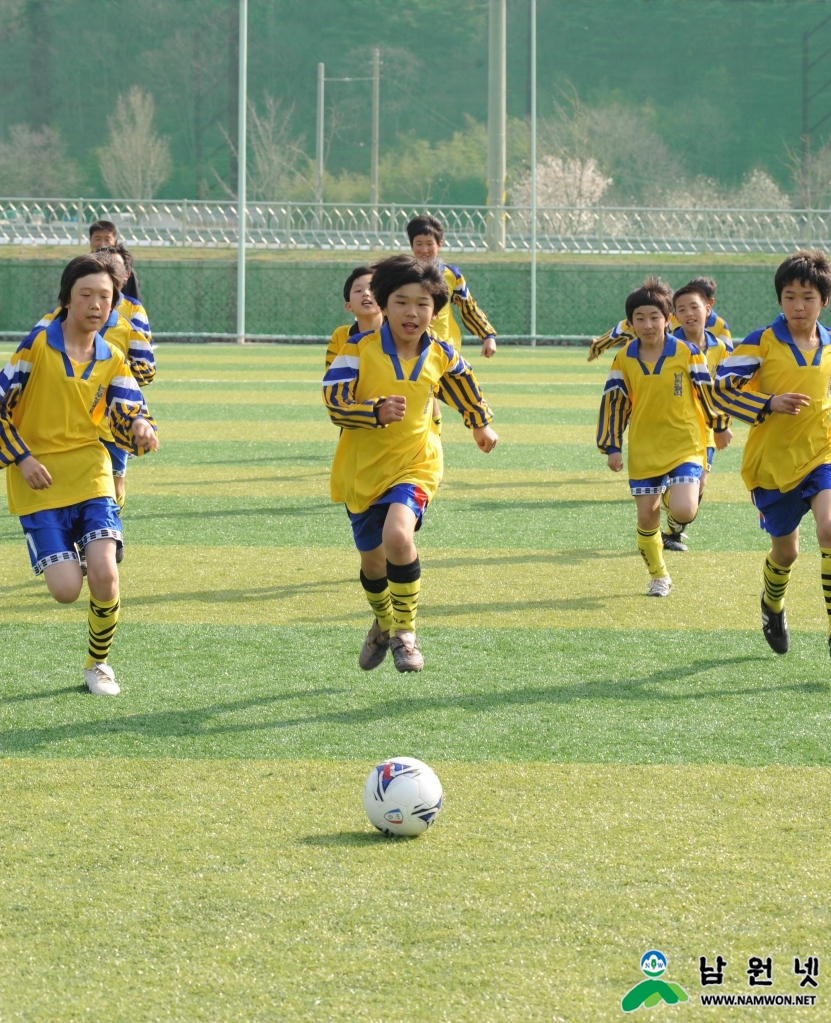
x: 339, y: 839
x: 43, y: 695
x: 200, y: 722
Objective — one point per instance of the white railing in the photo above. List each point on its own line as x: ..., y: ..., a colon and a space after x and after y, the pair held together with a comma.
x: 355, y: 227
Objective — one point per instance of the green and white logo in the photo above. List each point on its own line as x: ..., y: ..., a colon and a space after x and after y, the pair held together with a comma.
x: 652, y: 991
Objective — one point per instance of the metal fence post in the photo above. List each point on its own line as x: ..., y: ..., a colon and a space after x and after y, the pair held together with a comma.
x: 393, y: 231
x: 184, y: 223
x: 80, y: 208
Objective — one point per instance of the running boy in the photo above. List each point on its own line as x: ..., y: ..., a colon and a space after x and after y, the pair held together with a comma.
x: 660, y: 387
x: 690, y: 314
x: 379, y: 389
x: 54, y: 391
x: 779, y: 380
x: 358, y: 300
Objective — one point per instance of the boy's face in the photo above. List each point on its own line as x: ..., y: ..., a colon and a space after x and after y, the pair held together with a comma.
x: 801, y: 303
x: 361, y: 299
x: 691, y: 312
x: 409, y: 312
x: 90, y: 301
x: 425, y: 246
x: 101, y: 239
x: 649, y: 323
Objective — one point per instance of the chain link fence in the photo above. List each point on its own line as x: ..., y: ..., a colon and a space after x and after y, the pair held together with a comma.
x: 354, y: 227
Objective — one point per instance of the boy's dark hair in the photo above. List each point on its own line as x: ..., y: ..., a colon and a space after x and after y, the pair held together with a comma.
x: 120, y: 249
x: 703, y: 286
x: 808, y: 266
x: 428, y: 224
x: 359, y: 271
x: 103, y: 225
x: 81, y: 266
x: 393, y: 273
x: 653, y: 291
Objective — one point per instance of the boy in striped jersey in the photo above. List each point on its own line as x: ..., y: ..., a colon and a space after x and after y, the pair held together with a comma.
x: 387, y: 466
x: 130, y: 307
x: 55, y: 390
x: 779, y: 380
x: 358, y: 300
x: 661, y: 388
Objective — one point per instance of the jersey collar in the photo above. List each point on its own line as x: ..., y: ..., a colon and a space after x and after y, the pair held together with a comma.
x: 388, y: 348
x: 54, y: 338
x: 633, y: 350
x: 782, y: 333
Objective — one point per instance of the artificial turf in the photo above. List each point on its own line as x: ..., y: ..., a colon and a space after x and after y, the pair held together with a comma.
x: 621, y: 773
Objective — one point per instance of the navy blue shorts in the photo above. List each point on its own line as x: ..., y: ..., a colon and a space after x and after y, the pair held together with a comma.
x: 368, y: 526
x: 710, y: 453
x: 780, y: 514
x: 118, y: 456
x: 51, y: 535
x: 686, y: 472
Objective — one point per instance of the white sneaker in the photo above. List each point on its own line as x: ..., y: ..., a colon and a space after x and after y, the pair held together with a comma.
x: 659, y: 587
x: 100, y: 680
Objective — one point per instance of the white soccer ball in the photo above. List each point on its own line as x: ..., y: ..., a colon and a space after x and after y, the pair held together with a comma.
x: 402, y: 796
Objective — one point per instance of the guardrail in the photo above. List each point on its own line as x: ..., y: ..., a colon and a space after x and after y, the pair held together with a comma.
x: 597, y: 230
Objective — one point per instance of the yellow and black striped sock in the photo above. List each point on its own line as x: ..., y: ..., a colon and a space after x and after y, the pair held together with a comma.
x: 378, y: 594
x: 405, y: 582
x: 652, y: 551
x: 776, y: 579
x: 103, y: 621
x: 826, y: 581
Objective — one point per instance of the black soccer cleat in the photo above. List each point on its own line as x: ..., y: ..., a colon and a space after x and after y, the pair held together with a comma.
x: 672, y: 542
x: 775, y: 628
x: 119, y: 554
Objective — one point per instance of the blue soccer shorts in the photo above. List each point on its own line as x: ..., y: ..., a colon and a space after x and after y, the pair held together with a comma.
x: 686, y: 472
x: 780, y: 514
x: 710, y: 453
x: 368, y: 526
x: 118, y: 456
x: 51, y: 535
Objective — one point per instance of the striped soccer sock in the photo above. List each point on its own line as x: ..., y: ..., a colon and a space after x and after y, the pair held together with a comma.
x: 826, y: 581
x: 652, y: 551
x: 405, y: 583
x: 378, y: 594
x: 103, y: 621
x: 776, y: 579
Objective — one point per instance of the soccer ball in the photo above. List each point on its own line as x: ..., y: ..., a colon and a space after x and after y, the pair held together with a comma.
x: 402, y: 796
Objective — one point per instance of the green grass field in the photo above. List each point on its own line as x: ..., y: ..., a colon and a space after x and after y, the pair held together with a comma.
x: 620, y: 773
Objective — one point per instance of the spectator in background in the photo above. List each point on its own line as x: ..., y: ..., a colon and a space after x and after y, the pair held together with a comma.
x: 103, y: 234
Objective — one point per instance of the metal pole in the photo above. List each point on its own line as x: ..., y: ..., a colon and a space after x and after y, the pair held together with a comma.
x: 804, y: 198
x: 497, y: 119
x: 376, y: 114
x: 533, y: 173
x: 241, y: 169
x: 321, y: 85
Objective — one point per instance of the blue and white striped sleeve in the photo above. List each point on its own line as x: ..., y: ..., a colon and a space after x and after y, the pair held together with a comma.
x: 339, y: 393
x: 615, y: 410
x: 459, y: 388
x: 125, y: 404
x: 703, y: 384
x: 731, y: 393
x: 140, y: 357
x: 13, y: 379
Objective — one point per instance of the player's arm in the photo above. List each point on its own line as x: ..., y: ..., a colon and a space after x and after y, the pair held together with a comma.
x: 731, y: 391
x: 613, y: 338
x: 344, y: 409
x: 472, y: 316
x: 702, y: 384
x: 133, y: 428
x: 459, y: 388
x: 613, y: 418
x: 140, y: 357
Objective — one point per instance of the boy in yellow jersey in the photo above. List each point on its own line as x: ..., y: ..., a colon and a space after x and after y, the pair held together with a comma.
x: 54, y: 391
x: 358, y: 300
x: 130, y: 307
x: 779, y: 380
x: 379, y: 389
x: 660, y: 387
x: 137, y: 349
x: 690, y: 314
x: 622, y: 333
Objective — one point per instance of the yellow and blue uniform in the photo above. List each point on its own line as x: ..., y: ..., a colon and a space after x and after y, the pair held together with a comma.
x: 51, y: 408
x: 715, y: 350
x: 716, y: 324
x: 666, y: 406
x: 372, y: 460
x: 340, y: 335
x: 444, y: 326
x: 787, y: 459
x: 133, y: 311
x: 622, y: 333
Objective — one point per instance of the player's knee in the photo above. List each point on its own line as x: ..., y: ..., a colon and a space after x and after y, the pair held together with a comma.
x: 824, y: 534
x: 66, y: 590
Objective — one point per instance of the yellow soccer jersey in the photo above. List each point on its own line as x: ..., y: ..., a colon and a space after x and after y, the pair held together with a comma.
x: 716, y: 324
x: 620, y: 334
x: 51, y: 407
x: 666, y: 406
x: 715, y: 351
x: 444, y: 326
x: 370, y: 458
x: 781, y: 450
x: 133, y: 311
x: 340, y: 335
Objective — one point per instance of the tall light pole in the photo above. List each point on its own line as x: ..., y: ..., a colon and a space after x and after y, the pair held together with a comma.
x: 241, y: 168
x: 533, y: 172
x: 497, y: 121
x: 376, y: 133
